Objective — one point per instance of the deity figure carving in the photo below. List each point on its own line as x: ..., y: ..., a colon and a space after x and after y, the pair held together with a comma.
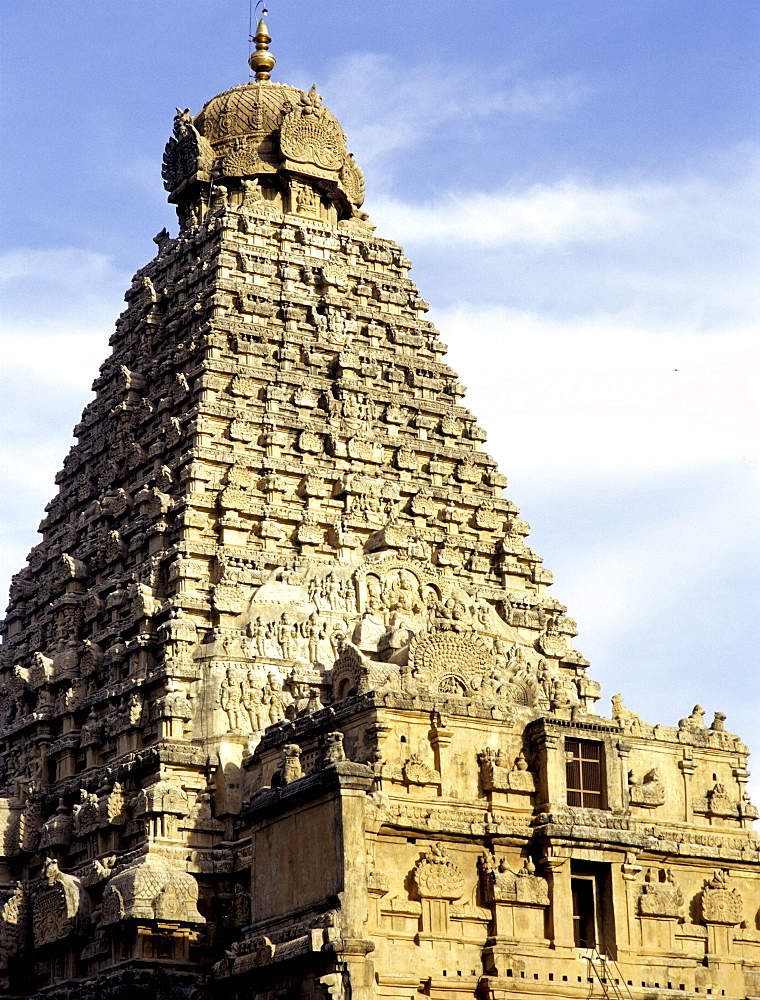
x: 112, y: 805
x: 241, y: 906
x: 589, y: 690
x: 86, y: 815
x: 257, y: 631
x: 305, y: 199
x: 313, y: 632
x: 402, y: 593
x: 276, y: 700
x: 719, y: 802
x: 91, y: 731
x: 498, y: 773
x: 334, y: 594
x: 130, y: 712
x: 336, y: 637
x: 374, y: 594
x: 231, y: 701
x: 300, y: 689
x: 285, y: 632
x: 418, y: 548
x: 254, y: 701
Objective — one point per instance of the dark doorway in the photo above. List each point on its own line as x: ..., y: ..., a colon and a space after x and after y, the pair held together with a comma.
x: 584, y: 911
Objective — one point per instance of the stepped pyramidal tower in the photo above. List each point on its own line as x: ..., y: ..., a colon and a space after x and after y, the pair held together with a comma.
x: 287, y: 709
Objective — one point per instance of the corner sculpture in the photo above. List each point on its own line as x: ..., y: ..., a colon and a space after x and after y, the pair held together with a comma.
x: 286, y: 707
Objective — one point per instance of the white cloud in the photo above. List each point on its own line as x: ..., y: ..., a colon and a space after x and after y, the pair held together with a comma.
x: 60, y: 357
x: 613, y: 397
x: 548, y: 97
x: 60, y: 305
x: 663, y: 581
x: 59, y: 266
x: 572, y: 211
x: 385, y: 106
x: 658, y: 254
x: 641, y: 483
x: 617, y: 586
x: 562, y: 213
x: 59, y: 310
x: 54, y: 291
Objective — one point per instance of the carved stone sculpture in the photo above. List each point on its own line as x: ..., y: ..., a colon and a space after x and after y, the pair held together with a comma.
x: 647, y: 793
x: 721, y: 903
x: 524, y: 887
x: 437, y: 876
x: 282, y: 666
x: 660, y: 896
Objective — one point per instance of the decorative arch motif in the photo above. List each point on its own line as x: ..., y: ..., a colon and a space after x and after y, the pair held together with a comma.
x: 437, y: 876
x: 56, y: 905
x: 451, y: 660
x: 310, y: 134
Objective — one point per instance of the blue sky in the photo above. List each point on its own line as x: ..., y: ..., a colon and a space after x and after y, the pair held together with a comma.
x: 577, y: 185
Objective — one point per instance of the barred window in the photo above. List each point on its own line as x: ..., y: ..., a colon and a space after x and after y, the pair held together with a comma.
x: 584, y: 773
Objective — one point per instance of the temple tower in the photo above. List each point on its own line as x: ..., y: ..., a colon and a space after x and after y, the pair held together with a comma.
x: 286, y: 705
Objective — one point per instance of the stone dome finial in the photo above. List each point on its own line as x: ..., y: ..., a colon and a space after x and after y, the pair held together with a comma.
x: 265, y: 143
x: 262, y: 61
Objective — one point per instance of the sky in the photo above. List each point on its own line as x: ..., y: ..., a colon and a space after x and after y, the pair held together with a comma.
x: 576, y: 182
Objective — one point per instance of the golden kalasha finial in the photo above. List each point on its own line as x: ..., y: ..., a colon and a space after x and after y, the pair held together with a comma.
x: 262, y: 61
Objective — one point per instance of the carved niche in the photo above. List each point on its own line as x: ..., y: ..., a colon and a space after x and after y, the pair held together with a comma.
x: 522, y: 888
x: 660, y: 895
x: 161, y: 805
x: 438, y: 882
x: 518, y: 902
x: 57, y: 903
x: 355, y: 673
x: 497, y: 774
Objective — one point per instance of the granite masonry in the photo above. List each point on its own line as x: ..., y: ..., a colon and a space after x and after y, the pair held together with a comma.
x: 286, y: 707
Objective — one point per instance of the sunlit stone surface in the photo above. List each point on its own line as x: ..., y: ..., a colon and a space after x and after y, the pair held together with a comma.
x: 287, y: 709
